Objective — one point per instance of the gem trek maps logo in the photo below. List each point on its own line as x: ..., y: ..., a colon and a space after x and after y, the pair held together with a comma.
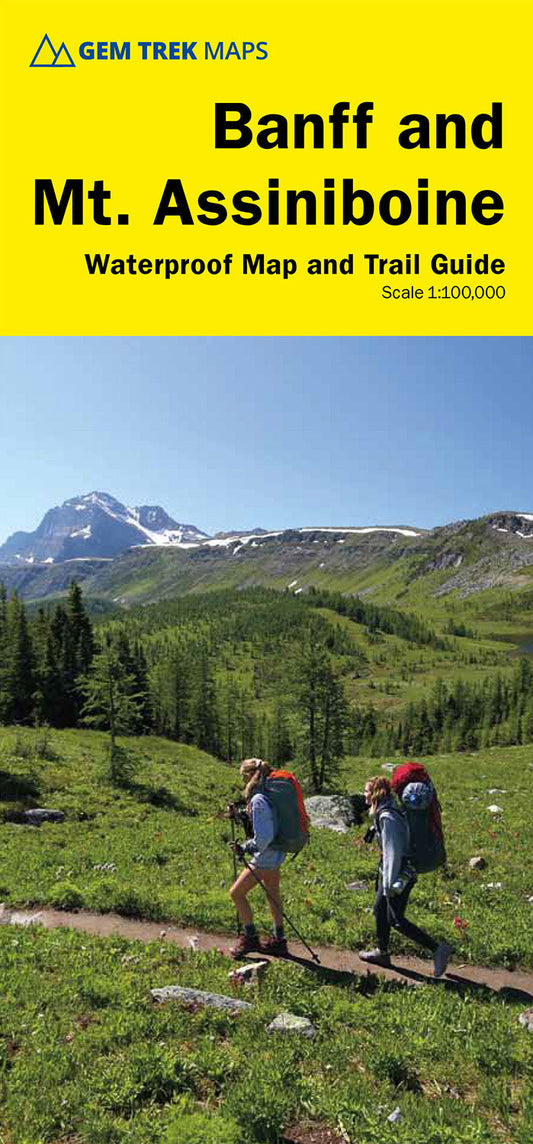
x: 47, y: 57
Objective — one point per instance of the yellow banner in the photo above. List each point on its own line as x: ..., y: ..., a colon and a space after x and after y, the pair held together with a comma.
x: 282, y: 168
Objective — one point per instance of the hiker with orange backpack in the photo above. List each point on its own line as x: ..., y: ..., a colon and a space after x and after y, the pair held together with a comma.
x: 409, y: 833
x: 278, y: 825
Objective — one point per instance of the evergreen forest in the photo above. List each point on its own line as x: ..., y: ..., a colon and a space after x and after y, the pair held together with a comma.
x: 305, y: 679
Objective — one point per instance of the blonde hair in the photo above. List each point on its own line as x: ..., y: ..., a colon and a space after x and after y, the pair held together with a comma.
x: 379, y: 789
x: 255, y: 770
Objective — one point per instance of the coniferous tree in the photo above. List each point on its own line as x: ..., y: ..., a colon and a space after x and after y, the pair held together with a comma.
x: 205, y: 713
x: 109, y: 700
x: 323, y: 713
x: 20, y: 678
x: 280, y: 749
x: 140, y: 672
x: 181, y: 698
x: 81, y: 632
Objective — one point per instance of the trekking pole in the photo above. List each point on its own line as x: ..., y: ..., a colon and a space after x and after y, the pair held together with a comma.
x: 283, y: 914
x: 235, y: 869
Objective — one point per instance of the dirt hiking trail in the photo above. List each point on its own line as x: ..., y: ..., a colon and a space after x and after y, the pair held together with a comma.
x: 335, y: 964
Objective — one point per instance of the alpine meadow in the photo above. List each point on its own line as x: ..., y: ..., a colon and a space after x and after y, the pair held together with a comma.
x: 132, y: 684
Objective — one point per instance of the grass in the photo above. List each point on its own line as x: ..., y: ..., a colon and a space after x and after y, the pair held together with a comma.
x: 169, y: 847
x: 88, y: 1058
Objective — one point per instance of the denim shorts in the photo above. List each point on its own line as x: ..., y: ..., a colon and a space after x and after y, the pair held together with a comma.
x: 270, y: 859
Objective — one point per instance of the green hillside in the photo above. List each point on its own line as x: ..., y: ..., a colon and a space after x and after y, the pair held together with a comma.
x: 319, y: 675
x: 454, y: 562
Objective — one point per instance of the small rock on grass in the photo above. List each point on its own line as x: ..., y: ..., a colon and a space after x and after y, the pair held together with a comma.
x: 395, y: 1116
x: 41, y: 814
x: 21, y: 918
x: 477, y: 863
x: 526, y: 1019
x: 290, y: 1023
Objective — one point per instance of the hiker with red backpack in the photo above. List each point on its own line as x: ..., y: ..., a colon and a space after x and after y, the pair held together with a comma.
x: 408, y: 827
x: 278, y: 825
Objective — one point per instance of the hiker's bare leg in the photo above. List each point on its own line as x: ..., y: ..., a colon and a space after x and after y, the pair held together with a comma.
x: 270, y: 880
x: 245, y: 882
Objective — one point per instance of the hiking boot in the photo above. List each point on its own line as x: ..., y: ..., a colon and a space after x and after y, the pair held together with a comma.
x: 375, y: 957
x: 441, y: 958
x: 275, y: 946
x: 245, y: 944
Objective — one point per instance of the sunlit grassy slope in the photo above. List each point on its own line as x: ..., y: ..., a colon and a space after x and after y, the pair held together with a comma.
x: 170, y: 850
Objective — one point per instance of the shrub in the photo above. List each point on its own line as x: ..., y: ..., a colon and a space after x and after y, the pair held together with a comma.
x: 66, y: 896
x: 203, y: 1128
x: 42, y: 746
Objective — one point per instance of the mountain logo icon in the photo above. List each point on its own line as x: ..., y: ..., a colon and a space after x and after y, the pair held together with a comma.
x: 47, y: 57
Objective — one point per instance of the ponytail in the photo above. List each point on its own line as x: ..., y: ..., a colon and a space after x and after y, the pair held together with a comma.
x: 379, y: 789
x: 255, y: 771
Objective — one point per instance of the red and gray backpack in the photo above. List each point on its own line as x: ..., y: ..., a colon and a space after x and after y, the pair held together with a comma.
x: 418, y: 800
x: 286, y: 800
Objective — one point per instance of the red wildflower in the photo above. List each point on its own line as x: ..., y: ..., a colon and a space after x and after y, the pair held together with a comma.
x: 460, y: 923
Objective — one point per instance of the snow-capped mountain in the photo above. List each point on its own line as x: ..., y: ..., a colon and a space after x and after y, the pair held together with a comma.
x: 96, y: 525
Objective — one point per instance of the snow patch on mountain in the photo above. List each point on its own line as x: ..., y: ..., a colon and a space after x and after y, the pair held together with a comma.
x: 373, y: 528
x: 252, y: 539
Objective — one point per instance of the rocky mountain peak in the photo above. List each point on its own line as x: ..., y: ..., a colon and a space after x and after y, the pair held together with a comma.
x: 96, y: 524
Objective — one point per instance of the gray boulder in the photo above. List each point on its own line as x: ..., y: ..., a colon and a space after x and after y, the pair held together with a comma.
x: 198, y: 997
x: 40, y: 814
x: 335, y: 811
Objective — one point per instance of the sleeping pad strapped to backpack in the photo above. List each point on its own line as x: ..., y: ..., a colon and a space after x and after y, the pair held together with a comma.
x: 285, y: 797
x: 418, y: 799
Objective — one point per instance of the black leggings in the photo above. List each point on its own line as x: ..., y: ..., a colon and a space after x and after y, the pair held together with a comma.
x: 394, y: 916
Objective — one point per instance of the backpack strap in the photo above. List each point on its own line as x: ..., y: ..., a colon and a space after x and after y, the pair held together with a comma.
x: 399, y: 813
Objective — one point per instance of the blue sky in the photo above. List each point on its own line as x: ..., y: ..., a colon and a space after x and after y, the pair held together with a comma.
x: 243, y: 432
